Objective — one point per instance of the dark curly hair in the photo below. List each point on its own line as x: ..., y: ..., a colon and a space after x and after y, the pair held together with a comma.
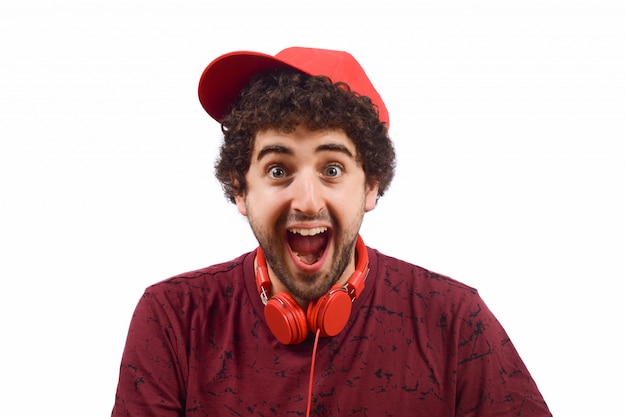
x: 284, y: 99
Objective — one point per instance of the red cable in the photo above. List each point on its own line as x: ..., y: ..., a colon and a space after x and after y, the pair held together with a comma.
x: 308, y: 405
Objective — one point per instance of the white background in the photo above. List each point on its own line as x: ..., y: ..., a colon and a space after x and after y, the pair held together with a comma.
x: 509, y: 119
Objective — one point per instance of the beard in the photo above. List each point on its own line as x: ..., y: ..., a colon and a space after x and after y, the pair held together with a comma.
x: 306, y: 286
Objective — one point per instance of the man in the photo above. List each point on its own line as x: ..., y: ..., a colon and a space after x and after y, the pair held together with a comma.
x: 313, y: 322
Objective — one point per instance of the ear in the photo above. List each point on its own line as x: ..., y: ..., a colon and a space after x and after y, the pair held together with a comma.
x: 240, y: 201
x: 371, y: 194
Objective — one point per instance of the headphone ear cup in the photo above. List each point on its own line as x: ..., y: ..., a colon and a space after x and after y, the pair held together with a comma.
x: 330, y: 313
x: 286, y: 319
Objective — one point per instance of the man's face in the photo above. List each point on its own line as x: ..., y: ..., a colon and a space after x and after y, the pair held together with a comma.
x: 305, y: 200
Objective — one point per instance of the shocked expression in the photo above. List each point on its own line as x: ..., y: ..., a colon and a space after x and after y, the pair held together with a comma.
x: 305, y: 199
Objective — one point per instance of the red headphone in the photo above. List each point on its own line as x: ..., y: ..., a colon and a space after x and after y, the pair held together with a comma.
x: 329, y: 314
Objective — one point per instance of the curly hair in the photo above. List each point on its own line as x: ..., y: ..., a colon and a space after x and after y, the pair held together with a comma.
x: 284, y: 99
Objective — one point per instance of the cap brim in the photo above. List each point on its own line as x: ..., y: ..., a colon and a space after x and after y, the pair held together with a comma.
x: 226, y: 76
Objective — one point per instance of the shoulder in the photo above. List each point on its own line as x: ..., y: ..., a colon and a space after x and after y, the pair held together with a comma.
x: 394, y: 271
x: 433, y: 301
x: 215, y: 279
x: 196, y: 296
x: 413, y: 291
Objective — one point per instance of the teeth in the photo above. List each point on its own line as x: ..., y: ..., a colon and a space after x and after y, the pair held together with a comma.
x: 309, y: 232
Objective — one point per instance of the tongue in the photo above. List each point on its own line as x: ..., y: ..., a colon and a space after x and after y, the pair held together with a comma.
x: 308, y: 248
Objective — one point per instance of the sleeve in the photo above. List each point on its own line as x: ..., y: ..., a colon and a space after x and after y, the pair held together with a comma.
x: 492, y: 380
x: 151, y: 380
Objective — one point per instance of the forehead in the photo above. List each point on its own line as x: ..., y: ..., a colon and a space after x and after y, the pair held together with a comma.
x: 302, y: 140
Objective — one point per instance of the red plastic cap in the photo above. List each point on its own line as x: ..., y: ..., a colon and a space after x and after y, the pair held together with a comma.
x: 226, y: 76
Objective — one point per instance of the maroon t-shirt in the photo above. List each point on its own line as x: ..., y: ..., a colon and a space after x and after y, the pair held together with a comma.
x: 417, y: 344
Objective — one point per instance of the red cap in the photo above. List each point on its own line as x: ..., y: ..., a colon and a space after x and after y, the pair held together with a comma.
x: 227, y: 75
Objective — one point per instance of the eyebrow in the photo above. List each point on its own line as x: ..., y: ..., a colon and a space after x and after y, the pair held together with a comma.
x: 334, y: 147
x: 279, y: 149
x: 273, y: 149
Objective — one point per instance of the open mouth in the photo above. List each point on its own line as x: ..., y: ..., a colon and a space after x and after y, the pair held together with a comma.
x: 308, y: 245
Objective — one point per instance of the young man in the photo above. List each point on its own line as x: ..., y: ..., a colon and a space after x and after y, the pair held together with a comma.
x: 313, y: 322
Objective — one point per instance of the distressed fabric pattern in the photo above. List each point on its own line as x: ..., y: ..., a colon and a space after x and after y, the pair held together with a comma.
x: 417, y: 344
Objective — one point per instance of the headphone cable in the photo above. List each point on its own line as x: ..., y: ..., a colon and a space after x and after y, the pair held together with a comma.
x: 310, y: 395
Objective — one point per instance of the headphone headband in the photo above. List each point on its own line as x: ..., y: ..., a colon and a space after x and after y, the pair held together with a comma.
x: 262, y: 277
x: 356, y: 283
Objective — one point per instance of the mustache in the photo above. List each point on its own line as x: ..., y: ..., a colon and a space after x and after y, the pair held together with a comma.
x: 295, y: 217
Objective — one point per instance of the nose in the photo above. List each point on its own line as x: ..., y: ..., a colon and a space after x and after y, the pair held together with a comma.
x: 307, y: 194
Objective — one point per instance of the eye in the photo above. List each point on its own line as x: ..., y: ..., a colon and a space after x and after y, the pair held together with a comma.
x: 333, y: 171
x: 277, y: 172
